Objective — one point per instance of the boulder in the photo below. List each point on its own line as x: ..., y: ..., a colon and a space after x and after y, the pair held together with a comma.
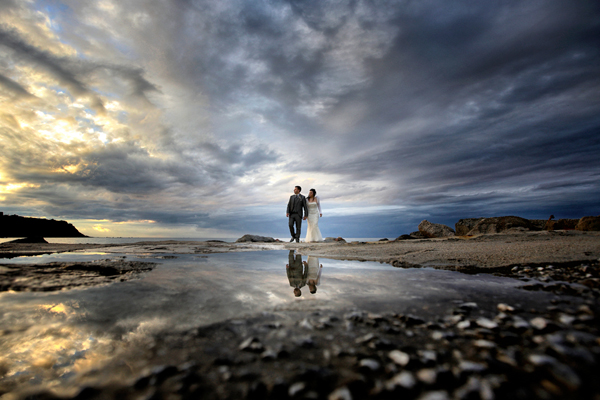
x: 255, y: 238
x: 334, y: 240
x: 431, y: 230
x: 588, y: 224
x: 502, y: 224
x: 463, y: 226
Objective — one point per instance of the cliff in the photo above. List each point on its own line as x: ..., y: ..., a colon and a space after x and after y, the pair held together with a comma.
x: 17, y: 226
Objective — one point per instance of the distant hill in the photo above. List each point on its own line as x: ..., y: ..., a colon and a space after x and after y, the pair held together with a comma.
x: 17, y: 226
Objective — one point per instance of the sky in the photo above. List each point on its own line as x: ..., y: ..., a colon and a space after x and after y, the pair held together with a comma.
x: 196, y: 118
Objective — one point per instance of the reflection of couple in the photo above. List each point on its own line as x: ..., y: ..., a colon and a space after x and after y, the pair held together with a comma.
x: 303, y: 273
x: 310, y: 208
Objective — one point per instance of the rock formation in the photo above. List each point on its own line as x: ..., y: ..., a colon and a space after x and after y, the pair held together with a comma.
x: 588, y: 224
x: 431, y: 230
x: 334, y: 240
x: 463, y: 226
x: 255, y: 238
x: 502, y: 224
x: 17, y: 226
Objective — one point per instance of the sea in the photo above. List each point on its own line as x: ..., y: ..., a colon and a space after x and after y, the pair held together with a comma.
x: 127, y: 240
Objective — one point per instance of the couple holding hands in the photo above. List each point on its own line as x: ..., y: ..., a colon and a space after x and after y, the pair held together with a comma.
x: 301, y: 208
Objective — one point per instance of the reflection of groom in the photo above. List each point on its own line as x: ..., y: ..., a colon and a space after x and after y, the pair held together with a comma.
x: 295, y: 207
x: 296, y: 272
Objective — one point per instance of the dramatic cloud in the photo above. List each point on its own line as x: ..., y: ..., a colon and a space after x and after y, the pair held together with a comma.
x: 197, y: 118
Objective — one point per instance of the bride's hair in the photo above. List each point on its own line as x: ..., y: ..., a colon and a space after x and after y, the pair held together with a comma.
x: 314, y: 192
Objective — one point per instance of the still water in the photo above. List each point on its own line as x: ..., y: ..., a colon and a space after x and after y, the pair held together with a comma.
x: 49, y: 337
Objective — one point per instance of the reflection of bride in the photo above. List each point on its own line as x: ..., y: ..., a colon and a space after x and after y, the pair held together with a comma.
x: 313, y: 233
x: 313, y: 273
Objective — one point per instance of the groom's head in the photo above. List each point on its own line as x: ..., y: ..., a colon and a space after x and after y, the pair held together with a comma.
x: 297, y: 190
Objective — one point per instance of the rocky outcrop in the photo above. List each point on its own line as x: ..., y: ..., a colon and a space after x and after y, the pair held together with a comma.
x: 334, y: 240
x: 561, y: 224
x: 431, y: 230
x: 502, y: 224
x: 17, y: 226
x: 588, y: 224
x: 463, y: 226
x: 256, y: 238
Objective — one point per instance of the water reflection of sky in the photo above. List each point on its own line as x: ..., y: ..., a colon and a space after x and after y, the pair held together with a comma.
x: 50, y: 336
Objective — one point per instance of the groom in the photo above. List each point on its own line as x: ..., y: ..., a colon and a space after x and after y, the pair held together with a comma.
x: 295, y: 208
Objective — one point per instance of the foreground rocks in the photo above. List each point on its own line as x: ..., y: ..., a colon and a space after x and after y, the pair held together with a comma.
x: 67, y: 275
x: 470, y: 351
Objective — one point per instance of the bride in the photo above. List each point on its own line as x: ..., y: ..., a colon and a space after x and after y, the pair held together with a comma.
x: 313, y: 233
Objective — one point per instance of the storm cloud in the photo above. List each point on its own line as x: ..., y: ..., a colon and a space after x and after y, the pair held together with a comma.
x: 199, y: 117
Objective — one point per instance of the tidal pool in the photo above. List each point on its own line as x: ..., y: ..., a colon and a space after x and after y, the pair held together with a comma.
x: 50, y: 337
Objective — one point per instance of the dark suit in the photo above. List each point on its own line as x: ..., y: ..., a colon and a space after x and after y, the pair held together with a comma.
x: 296, y: 208
x: 296, y: 271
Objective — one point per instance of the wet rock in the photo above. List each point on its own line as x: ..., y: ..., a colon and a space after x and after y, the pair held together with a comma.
x: 427, y: 375
x: 505, y: 308
x: 484, y: 344
x: 435, y: 395
x: 399, y: 357
x: 252, y: 344
x: 486, y: 323
x: 411, y: 320
x: 464, y: 324
x: 369, y: 364
x: 342, y: 393
x: 296, y: 388
x: 404, y: 379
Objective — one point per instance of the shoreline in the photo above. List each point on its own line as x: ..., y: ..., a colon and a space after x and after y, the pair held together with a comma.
x: 457, y: 253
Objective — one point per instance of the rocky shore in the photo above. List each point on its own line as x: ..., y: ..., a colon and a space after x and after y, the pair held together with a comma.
x: 474, y: 349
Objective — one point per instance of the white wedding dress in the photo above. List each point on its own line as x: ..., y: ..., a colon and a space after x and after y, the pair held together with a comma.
x: 313, y: 234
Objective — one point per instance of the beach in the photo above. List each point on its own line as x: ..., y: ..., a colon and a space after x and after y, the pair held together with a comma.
x: 526, y: 327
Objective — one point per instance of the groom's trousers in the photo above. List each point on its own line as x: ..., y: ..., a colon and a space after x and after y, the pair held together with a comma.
x: 295, y: 219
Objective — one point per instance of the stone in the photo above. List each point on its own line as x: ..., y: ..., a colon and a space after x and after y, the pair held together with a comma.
x: 427, y: 375
x: 334, y: 240
x: 417, y: 235
x: 399, y: 357
x: 539, y: 323
x: 588, y: 224
x: 251, y: 344
x: 486, y: 323
x: 342, y: 393
x: 432, y: 230
x: 435, y: 395
x: 464, y: 226
x: 502, y: 224
x: 404, y: 379
x: 505, y: 308
x: 255, y: 238
x: 369, y: 364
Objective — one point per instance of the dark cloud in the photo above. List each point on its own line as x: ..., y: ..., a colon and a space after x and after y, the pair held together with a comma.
x: 449, y: 109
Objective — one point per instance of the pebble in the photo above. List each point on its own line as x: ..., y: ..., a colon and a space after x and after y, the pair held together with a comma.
x: 484, y: 344
x: 505, y: 308
x: 435, y: 395
x: 427, y: 375
x: 464, y: 324
x: 399, y: 357
x: 539, y: 323
x: 404, y: 379
x: 296, y: 388
x: 342, y: 393
x: 486, y: 323
x: 369, y: 364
